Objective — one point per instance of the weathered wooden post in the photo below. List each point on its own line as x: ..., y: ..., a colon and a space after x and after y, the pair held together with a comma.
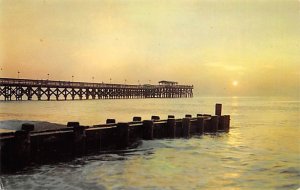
x: 218, y: 109
x: 221, y: 123
x: 188, y: 115
x: 22, y: 146
x: 155, y: 118
x: 136, y: 118
x: 214, y: 122
x: 226, y: 123
x: 27, y: 127
x: 148, y: 129
x: 108, y: 121
x: 72, y: 124
x: 79, y: 138
x: 156, y: 130
x: 200, y: 125
x: 171, y: 128
x: 123, y: 133
x: 186, y: 127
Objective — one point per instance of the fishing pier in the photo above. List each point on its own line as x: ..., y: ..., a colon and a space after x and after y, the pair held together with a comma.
x: 28, y: 89
x: 28, y: 145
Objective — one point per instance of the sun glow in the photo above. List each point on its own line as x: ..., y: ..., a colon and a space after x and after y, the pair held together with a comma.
x: 235, y: 83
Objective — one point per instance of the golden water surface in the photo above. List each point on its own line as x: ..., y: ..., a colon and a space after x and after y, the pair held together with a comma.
x: 261, y: 151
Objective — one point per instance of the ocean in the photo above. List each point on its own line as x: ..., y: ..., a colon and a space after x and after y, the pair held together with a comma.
x: 261, y: 151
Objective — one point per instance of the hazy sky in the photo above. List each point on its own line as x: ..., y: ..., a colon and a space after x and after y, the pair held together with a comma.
x: 209, y: 44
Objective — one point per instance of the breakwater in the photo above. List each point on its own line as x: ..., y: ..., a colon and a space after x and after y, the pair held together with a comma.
x: 23, y: 147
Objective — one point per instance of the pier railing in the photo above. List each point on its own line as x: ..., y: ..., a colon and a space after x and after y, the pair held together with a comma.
x: 69, y: 84
x: 26, y: 89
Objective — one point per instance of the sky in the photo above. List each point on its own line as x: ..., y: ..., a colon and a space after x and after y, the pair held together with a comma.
x: 223, y: 48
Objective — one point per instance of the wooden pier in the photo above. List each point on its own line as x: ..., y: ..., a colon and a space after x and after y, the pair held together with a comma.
x: 27, y: 89
x: 26, y: 146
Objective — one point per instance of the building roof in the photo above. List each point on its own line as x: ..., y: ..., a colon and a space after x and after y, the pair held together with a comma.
x: 167, y: 82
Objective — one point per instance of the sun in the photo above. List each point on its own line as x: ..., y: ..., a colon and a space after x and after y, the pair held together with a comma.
x: 235, y: 83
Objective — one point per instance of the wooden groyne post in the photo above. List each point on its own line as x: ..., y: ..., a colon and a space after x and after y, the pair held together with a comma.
x: 186, y: 127
x: 79, y: 138
x: 224, y: 123
x: 171, y: 128
x: 218, y: 109
x: 148, y: 129
x: 123, y: 133
x: 22, y: 146
x: 200, y: 124
x: 19, y: 148
x: 214, y: 122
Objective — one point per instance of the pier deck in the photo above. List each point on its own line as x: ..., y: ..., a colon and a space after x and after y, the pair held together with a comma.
x: 28, y: 89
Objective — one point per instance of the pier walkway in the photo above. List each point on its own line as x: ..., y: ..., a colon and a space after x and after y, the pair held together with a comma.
x: 28, y: 89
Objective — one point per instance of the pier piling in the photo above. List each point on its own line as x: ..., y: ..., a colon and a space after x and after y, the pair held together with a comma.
x: 16, y: 89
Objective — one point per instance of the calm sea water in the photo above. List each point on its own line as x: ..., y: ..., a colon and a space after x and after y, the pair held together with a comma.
x: 262, y: 150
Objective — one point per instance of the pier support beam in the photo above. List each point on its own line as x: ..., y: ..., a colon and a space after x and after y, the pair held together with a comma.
x: 17, y: 88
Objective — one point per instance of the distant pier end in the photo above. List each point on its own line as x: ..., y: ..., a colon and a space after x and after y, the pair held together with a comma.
x: 28, y: 89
